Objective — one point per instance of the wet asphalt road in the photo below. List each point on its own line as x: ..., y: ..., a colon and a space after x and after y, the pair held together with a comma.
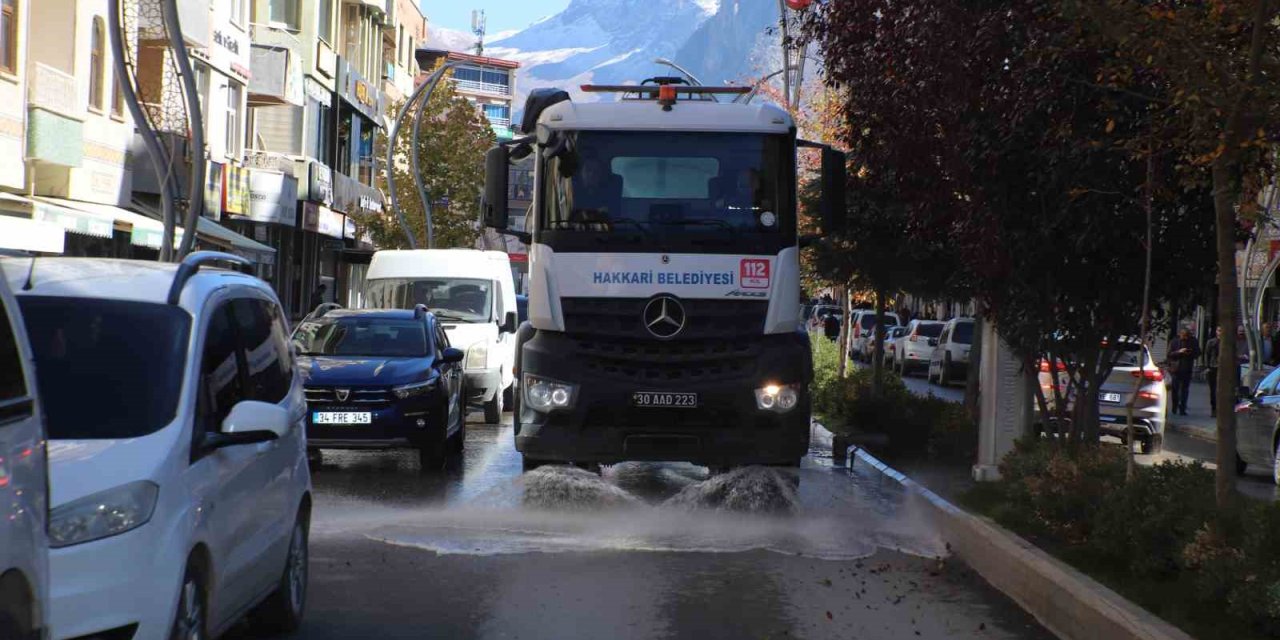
x: 642, y: 551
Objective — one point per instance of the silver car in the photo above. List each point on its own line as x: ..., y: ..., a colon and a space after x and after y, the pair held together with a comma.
x: 891, y: 338
x: 1150, y: 407
x: 1258, y: 426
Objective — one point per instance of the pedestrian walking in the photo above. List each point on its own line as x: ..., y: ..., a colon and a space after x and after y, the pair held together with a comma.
x: 1267, y: 344
x: 317, y: 296
x: 1182, y: 352
x: 1211, y: 350
x: 831, y: 326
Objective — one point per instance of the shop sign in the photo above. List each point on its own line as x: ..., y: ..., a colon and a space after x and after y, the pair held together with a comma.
x: 310, y: 216
x: 213, y: 190
x: 273, y: 197
x: 330, y: 223
x: 320, y: 184
x: 235, y: 190
x: 361, y: 94
x: 349, y: 229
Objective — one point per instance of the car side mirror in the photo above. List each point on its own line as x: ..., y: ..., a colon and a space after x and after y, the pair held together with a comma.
x: 250, y: 422
x: 933, y: 342
x: 509, y: 323
x: 452, y: 355
x: 496, y: 165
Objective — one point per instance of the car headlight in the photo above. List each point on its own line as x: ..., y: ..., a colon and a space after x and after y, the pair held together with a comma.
x: 477, y: 356
x: 415, y: 389
x: 103, y: 514
x: 545, y: 394
x: 779, y: 398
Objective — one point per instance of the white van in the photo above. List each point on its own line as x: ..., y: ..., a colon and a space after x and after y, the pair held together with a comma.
x: 473, y: 295
x: 24, y: 550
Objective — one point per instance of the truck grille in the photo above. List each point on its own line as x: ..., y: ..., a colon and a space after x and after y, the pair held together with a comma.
x: 623, y: 318
x: 366, y: 396
x: 659, y: 362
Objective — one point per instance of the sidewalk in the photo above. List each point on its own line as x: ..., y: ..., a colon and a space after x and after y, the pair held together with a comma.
x: 1198, y: 424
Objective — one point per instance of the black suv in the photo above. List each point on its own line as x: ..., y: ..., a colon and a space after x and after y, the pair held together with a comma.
x: 381, y: 379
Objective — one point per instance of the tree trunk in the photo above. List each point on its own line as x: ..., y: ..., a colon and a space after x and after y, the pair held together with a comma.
x: 1224, y: 210
x: 971, y: 390
x: 842, y: 343
x: 1130, y: 432
x: 877, y: 350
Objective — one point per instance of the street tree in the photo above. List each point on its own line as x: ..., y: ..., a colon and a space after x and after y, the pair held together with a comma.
x: 1207, y: 73
x: 451, y: 146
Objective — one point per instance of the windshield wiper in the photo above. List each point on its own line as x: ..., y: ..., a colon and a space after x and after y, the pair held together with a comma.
x: 444, y: 315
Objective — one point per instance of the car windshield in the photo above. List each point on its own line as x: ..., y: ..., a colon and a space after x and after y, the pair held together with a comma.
x: 931, y: 330
x: 106, y: 369
x: 868, y: 321
x: 1129, y: 354
x: 456, y: 299
x: 362, y: 336
x: 963, y: 333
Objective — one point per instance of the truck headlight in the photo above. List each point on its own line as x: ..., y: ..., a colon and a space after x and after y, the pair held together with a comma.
x: 415, y: 389
x: 103, y: 514
x: 545, y: 394
x: 779, y: 398
x: 477, y: 356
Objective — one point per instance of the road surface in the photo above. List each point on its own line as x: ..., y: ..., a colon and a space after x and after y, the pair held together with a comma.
x: 643, y: 551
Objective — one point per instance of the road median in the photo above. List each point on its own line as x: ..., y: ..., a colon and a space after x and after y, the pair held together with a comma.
x: 1067, y: 602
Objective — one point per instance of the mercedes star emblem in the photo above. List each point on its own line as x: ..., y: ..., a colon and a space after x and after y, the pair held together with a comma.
x: 664, y: 317
x: 342, y: 394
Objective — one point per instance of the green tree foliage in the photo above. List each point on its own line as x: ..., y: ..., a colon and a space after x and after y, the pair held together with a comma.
x: 451, y: 148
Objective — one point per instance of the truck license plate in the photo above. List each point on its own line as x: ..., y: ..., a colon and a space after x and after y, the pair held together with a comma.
x: 664, y: 399
x: 1111, y: 397
x: 342, y: 417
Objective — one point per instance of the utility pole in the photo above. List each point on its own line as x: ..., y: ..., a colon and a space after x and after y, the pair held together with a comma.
x: 478, y: 24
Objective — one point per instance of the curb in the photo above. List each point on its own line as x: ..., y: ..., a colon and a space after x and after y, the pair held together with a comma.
x: 1069, y: 603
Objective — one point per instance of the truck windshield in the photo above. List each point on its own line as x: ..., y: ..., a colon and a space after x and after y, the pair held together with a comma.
x: 456, y: 299
x: 706, y: 188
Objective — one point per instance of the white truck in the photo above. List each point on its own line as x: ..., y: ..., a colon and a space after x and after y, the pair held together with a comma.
x: 473, y: 295
x: 664, y: 278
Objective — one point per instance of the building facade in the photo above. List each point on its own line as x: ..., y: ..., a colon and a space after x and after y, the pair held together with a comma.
x: 405, y: 29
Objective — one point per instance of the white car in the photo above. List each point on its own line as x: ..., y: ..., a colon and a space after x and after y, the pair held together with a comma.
x: 916, y: 348
x: 862, y: 342
x: 180, y: 492
x: 1134, y: 372
x: 950, y: 357
x: 24, y: 554
x: 473, y: 295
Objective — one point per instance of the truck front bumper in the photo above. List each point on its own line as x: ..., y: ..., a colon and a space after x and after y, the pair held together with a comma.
x: 725, y: 429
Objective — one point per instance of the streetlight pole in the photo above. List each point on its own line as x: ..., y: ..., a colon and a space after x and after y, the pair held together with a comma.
x: 428, y: 86
x: 673, y: 65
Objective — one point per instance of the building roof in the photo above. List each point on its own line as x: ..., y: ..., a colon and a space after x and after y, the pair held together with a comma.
x: 430, y: 52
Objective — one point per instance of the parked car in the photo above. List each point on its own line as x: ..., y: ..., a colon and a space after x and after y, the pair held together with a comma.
x: 180, y: 493
x: 382, y: 379
x: 863, y: 325
x: 891, y: 343
x: 24, y: 551
x: 950, y: 357
x: 1258, y: 426
x: 1150, y: 408
x: 473, y: 294
x: 818, y: 318
x: 916, y: 349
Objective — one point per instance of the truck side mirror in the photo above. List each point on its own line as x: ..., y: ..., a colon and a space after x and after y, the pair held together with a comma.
x: 834, y: 182
x: 496, y: 163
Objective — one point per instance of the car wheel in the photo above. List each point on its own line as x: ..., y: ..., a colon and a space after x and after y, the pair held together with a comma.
x: 191, y: 621
x: 508, y: 394
x: 944, y: 373
x: 1147, y: 445
x: 282, y: 611
x: 493, y: 409
x: 1241, y: 465
x: 16, y: 609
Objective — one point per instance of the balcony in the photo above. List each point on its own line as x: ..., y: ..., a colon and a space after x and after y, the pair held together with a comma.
x: 55, y: 127
x: 277, y: 76
x: 54, y: 90
x: 481, y: 87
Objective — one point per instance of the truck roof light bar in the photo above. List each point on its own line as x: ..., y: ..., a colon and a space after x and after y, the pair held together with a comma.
x: 191, y: 265
x: 656, y: 89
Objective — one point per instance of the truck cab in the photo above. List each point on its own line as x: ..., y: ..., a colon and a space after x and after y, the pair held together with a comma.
x: 664, y: 280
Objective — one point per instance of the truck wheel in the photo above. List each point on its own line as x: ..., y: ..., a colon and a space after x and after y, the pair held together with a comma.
x: 493, y: 409
x: 508, y: 395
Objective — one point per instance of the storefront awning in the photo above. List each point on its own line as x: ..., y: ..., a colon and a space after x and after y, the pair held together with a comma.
x: 210, y: 231
x: 143, y: 231
x: 25, y: 234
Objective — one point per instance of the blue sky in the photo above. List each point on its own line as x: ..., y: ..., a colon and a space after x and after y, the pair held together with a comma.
x: 503, y: 15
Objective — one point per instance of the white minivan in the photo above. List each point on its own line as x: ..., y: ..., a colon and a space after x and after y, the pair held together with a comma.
x: 473, y: 295
x: 179, y: 492
x: 24, y: 482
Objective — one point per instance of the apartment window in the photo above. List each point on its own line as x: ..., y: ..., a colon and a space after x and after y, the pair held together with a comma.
x: 117, y: 98
x: 97, y: 65
x: 351, y: 27
x: 497, y: 111
x: 9, y: 35
x: 234, y: 135
x: 283, y: 12
x: 202, y: 85
x: 326, y: 21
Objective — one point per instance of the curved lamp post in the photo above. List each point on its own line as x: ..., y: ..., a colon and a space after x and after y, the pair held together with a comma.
x: 673, y: 65
x: 428, y: 87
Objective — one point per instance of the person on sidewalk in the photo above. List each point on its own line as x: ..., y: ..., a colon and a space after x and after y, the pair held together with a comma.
x: 1211, y: 349
x: 1182, y: 354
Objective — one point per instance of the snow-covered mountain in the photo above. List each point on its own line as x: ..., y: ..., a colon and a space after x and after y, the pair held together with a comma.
x: 616, y: 41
